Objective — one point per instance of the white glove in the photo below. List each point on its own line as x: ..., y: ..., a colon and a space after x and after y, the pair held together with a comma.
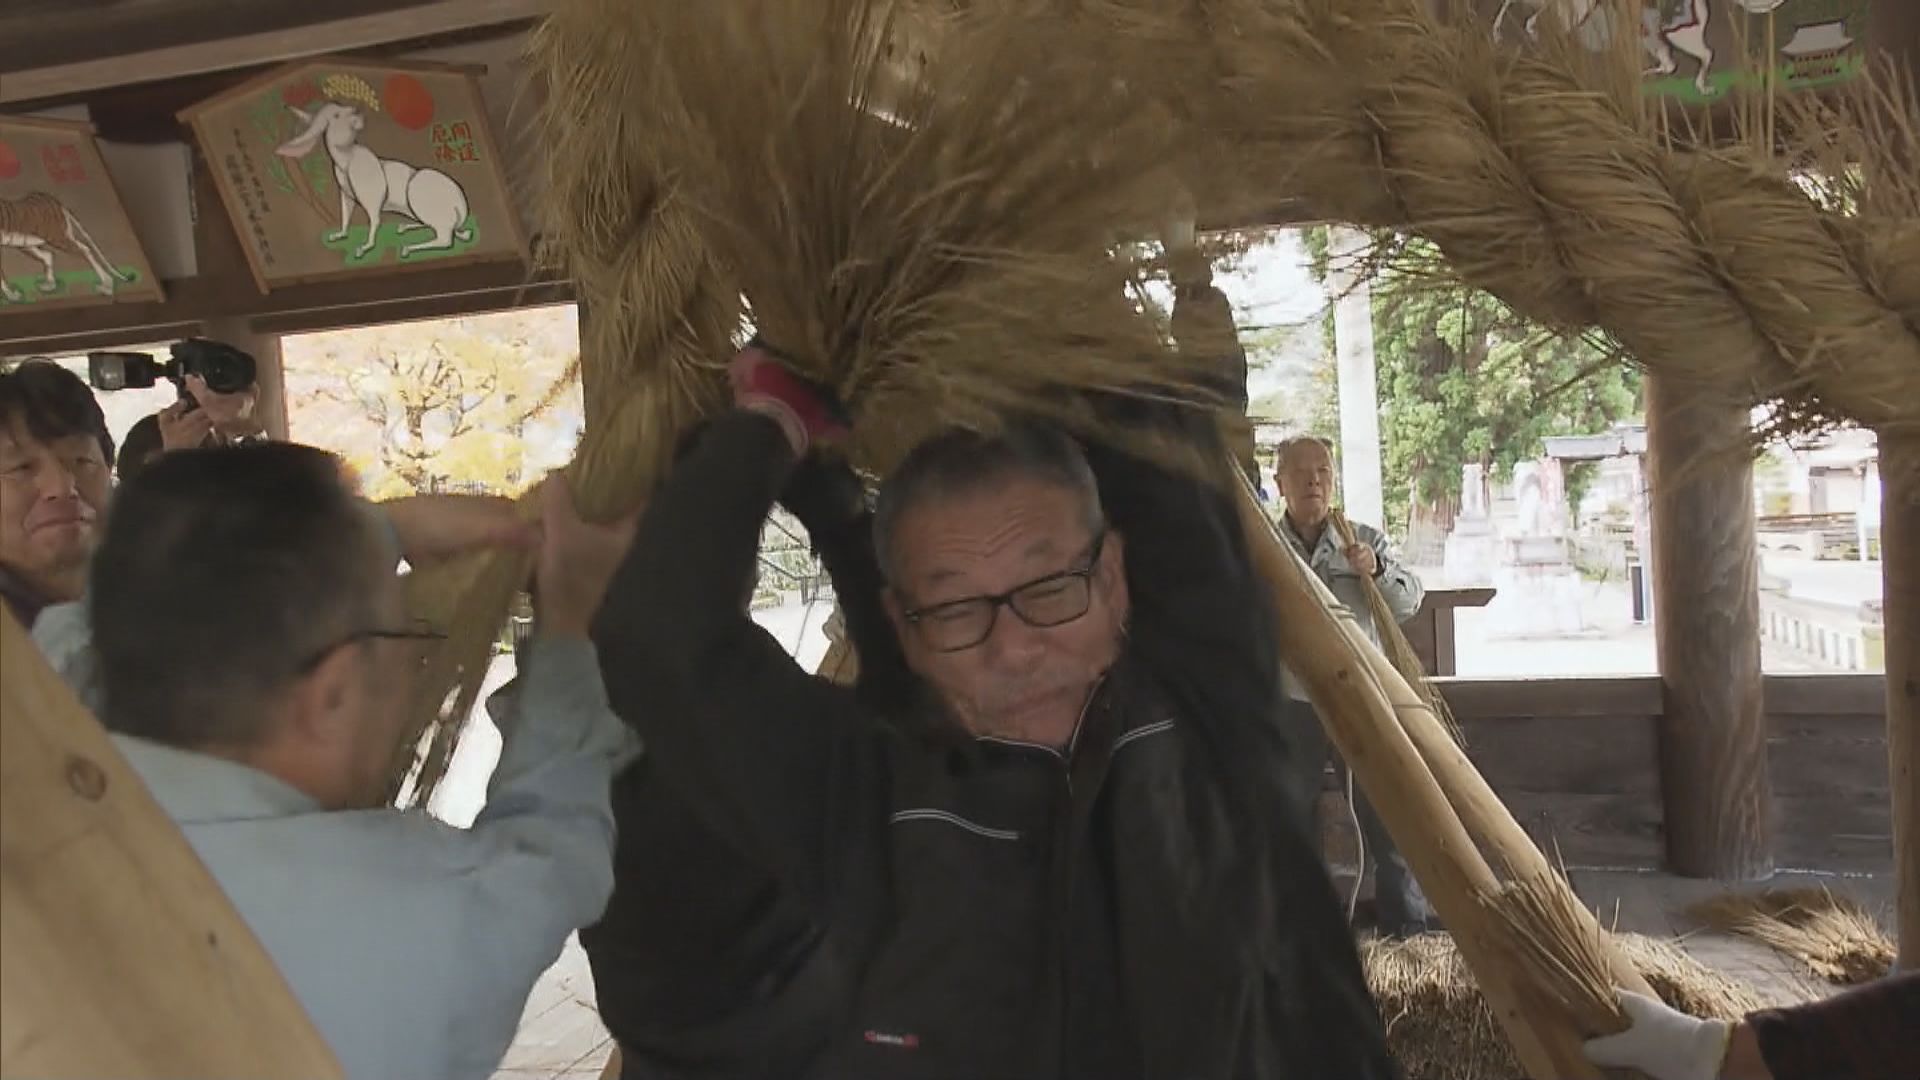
x: 1663, y: 1043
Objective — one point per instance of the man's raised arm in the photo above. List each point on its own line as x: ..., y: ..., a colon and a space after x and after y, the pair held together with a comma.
x: 758, y: 744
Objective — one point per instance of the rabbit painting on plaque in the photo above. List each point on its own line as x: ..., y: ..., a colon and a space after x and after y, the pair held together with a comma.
x: 428, y: 198
x: 330, y: 168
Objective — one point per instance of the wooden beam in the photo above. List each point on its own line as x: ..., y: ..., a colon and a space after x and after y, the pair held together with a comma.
x: 1282, y: 212
x: 313, y: 37
x: 1713, y: 738
x: 469, y: 290
x: 224, y: 290
x: 1900, y: 567
x: 119, y: 953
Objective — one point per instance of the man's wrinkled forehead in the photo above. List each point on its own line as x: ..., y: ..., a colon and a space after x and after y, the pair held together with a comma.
x: 1307, y: 453
x: 1032, y: 520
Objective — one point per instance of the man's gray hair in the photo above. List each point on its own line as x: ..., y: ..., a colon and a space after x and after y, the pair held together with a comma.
x: 961, y: 462
x: 1288, y: 445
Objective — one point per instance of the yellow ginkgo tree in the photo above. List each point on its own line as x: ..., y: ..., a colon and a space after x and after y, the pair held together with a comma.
x: 483, y: 403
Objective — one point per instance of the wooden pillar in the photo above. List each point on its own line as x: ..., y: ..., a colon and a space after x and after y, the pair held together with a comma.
x: 1713, y: 740
x: 272, y: 373
x: 119, y: 953
x: 1900, y: 566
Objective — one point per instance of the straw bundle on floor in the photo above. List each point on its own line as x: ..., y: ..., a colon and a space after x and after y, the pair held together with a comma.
x: 1439, y: 1026
x: 1837, y: 939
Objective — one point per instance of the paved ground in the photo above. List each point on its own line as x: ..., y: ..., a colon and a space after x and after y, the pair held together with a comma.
x: 1613, y: 645
x: 1828, y: 581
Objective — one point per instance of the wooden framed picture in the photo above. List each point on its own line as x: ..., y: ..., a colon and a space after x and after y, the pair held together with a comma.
x: 1698, y: 51
x: 65, y: 240
x: 336, y: 167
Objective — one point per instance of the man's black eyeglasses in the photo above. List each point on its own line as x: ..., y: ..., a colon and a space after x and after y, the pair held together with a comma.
x: 419, y: 630
x: 1053, y: 600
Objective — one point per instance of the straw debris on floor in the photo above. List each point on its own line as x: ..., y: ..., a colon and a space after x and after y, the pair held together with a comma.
x: 1837, y: 939
x: 1440, y: 1028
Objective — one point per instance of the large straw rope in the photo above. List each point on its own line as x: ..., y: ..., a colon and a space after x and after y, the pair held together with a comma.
x: 1381, y: 725
x: 648, y: 291
x: 1542, y: 179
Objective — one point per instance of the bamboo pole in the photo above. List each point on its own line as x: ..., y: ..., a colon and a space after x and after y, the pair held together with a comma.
x: 1426, y: 792
x: 1393, y: 641
x: 840, y: 664
x: 119, y: 953
x: 1900, y: 567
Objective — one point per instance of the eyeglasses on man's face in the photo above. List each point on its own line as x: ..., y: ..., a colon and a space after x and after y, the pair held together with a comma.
x: 1045, y: 602
x: 418, y: 631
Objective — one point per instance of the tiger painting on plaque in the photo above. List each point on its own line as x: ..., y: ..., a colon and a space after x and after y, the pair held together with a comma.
x: 64, y: 236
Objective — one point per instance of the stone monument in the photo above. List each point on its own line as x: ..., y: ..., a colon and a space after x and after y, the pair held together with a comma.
x: 1540, y: 592
x: 1471, y: 546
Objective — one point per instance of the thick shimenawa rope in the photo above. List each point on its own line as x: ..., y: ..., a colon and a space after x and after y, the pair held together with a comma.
x: 648, y: 290
x: 1540, y: 177
x: 661, y: 314
x: 1544, y: 178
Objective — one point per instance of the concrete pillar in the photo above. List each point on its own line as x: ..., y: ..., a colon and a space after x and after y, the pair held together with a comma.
x: 1866, y: 521
x: 1359, y: 396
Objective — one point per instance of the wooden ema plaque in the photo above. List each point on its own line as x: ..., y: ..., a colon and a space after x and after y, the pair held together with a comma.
x: 64, y: 237
x: 335, y: 168
x: 1697, y: 51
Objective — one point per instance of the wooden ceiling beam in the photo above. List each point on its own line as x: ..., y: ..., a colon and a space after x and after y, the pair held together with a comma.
x: 366, y: 30
x: 191, y: 302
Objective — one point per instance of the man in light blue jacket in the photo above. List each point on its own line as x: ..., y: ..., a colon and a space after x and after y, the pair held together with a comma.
x: 1304, y: 472
x: 255, y: 665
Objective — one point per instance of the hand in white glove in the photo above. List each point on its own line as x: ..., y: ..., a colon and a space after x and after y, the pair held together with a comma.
x: 1663, y: 1043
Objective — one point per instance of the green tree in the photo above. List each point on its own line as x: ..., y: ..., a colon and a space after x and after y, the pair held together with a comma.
x: 1462, y: 378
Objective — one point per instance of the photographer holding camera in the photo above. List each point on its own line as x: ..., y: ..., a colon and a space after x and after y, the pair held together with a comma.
x: 219, y: 397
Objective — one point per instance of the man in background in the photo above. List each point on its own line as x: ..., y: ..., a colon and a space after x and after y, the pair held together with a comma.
x: 202, y: 417
x: 1304, y: 473
x: 55, y: 479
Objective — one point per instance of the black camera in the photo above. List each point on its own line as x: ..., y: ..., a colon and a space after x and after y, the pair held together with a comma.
x: 227, y: 370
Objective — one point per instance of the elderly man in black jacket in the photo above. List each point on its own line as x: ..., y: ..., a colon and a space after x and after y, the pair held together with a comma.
x: 1063, y: 847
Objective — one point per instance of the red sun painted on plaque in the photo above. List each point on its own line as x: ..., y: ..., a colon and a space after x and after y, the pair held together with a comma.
x: 9, y: 162
x: 407, y: 101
